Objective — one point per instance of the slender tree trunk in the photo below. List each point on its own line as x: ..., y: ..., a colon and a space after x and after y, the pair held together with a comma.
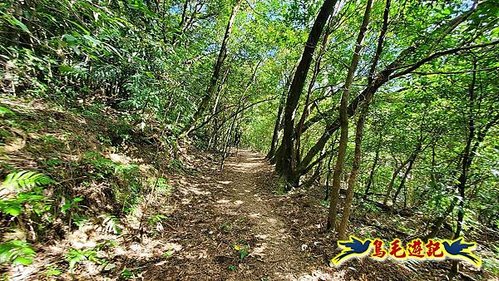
x: 370, y: 79
x: 215, y: 128
x: 392, y: 182
x: 440, y: 220
x: 468, y: 155
x: 371, y: 173
x: 328, y: 177
x: 329, y: 170
x: 180, y: 27
x: 318, y: 170
x: 359, y: 133
x: 288, y: 156
x: 404, y: 177
x: 481, y: 136
x: 277, y: 130
x: 278, y: 122
x: 340, y: 160
x: 353, y: 174
x: 410, y: 161
x: 216, y: 72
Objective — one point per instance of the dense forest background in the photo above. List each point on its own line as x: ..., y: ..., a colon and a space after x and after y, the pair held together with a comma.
x: 387, y: 107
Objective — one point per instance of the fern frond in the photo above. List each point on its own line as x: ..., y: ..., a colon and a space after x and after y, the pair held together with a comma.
x: 25, y: 180
x: 111, y: 224
x: 16, y: 252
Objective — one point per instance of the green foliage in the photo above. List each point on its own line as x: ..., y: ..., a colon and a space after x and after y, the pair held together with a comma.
x: 4, y: 135
x: 127, y: 274
x: 148, y: 63
x: 52, y: 271
x: 50, y: 140
x: 15, y: 22
x: 160, y: 185
x: 492, y: 264
x: 155, y: 219
x: 6, y: 112
x: 168, y: 254
x: 121, y: 131
x: 16, y: 252
x: 53, y: 162
x: 16, y: 206
x: 98, y: 164
x: 128, y: 183
x: 281, y: 187
x: 24, y: 188
x: 226, y: 227
x: 76, y: 256
x: 325, y: 203
x: 260, y: 125
x: 25, y: 180
x: 176, y: 165
x: 370, y: 207
x: 70, y: 204
x: 128, y: 193
x: 242, y: 249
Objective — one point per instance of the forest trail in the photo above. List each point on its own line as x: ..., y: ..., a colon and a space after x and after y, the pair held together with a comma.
x: 230, y: 214
x: 114, y: 116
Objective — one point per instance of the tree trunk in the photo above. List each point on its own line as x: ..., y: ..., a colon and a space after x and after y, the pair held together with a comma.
x: 216, y: 73
x: 340, y: 160
x: 277, y: 129
x: 392, y: 182
x: 329, y: 170
x: 278, y: 122
x: 293, y: 97
x: 373, y: 170
x: 440, y: 220
x: 180, y: 27
x: 215, y: 128
x: 359, y: 133
x: 353, y: 174
x: 468, y: 155
x: 404, y: 178
x: 308, y: 105
x: 370, y: 79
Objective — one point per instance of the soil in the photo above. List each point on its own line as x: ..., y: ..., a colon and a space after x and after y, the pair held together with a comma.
x: 233, y: 209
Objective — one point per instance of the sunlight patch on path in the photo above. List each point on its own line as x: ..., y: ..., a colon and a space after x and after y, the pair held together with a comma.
x: 259, y: 251
x: 255, y: 215
x: 225, y: 182
x: 316, y: 275
x: 193, y: 189
x: 271, y: 220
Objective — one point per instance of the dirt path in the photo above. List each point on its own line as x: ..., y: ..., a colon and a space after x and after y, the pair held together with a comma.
x: 236, y: 209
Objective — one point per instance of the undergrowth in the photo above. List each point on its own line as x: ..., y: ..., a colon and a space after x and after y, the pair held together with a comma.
x: 63, y: 179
